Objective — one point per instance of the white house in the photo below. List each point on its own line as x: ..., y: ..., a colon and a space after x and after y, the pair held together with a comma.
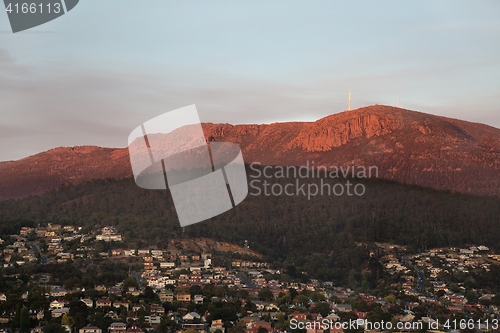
x: 166, y: 264
x: 198, y: 299
x: 117, y: 327
x: 88, y: 302
x: 152, y: 320
x: 191, y: 316
x: 58, y: 292
x: 57, y: 305
x: 90, y: 329
x: 59, y: 312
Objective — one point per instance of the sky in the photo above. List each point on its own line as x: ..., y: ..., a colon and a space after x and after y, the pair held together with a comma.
x: 93, y: 75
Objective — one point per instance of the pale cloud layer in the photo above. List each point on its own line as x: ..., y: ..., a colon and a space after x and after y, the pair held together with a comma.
x: 99, y: 74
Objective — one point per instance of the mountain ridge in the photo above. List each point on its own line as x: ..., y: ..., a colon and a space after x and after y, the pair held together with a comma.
x: 407, y: 146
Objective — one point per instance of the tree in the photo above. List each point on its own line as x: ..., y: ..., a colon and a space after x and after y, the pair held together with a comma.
x: 54, y: 328
x: 67, y: 320
x: 72, y: 282
x: 196, y: 289
x: 149, y: 293
x: 360, y: 305
x: 315, y: 296
x: 25, y: 320
x: 17, y: 317
x: 250, y: 306
x: 390, y: 299
x: 265, y: 294
x: 291, y: 271
x: 323, y: 308
x: 130, y: 282
x: 236, y: 329
x: 190, y: 331
x: 79, y: 312
x: 87, y: 282
x: 167, y: 325
x: 302, y: 299
x: 378, y: 315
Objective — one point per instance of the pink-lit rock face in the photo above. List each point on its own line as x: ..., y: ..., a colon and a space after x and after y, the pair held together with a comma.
x: 407, y: 146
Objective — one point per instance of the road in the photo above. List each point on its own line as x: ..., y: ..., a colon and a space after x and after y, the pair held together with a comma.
x: 43, y: 259
x: 138, y: 278
x: 421, y: 275
x: 421, y: 281
x: 246, y: 281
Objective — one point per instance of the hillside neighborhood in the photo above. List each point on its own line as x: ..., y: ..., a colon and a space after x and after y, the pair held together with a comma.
x: 162, y: 290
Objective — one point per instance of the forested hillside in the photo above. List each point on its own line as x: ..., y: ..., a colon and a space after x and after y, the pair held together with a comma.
x: 327, y: 236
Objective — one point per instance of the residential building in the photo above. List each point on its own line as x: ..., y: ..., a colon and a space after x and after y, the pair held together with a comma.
x: 117, y: 327
x: 90, y: 329
x: 166, y: 296
x: 183, y: 297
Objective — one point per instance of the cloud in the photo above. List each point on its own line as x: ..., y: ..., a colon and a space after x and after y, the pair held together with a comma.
x: 100, y: 107
x: 439, y: 27
x: 70, y: 104
x: 8, y: 65
x: 5, y: 57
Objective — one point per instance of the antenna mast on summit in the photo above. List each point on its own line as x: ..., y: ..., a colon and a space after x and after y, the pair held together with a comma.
x: 350, y: 98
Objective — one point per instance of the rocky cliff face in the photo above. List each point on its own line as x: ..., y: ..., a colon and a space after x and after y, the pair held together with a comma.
x: 334, y: 131
x: 406, y: 146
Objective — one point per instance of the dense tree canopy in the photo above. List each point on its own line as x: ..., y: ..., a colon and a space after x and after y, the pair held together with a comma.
x: 326, y: 236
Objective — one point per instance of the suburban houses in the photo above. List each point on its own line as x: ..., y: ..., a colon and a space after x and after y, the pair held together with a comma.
x: 175, y: 291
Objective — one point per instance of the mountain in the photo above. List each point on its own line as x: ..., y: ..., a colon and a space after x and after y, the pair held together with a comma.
x: 406, y: 146
x: 61, y: 166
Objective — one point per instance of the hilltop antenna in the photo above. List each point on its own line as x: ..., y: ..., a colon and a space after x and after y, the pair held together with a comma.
x: 399, y: 103
x: 350, y: 98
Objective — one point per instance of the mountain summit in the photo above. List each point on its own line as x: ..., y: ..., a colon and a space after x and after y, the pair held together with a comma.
x: 407, y: 146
